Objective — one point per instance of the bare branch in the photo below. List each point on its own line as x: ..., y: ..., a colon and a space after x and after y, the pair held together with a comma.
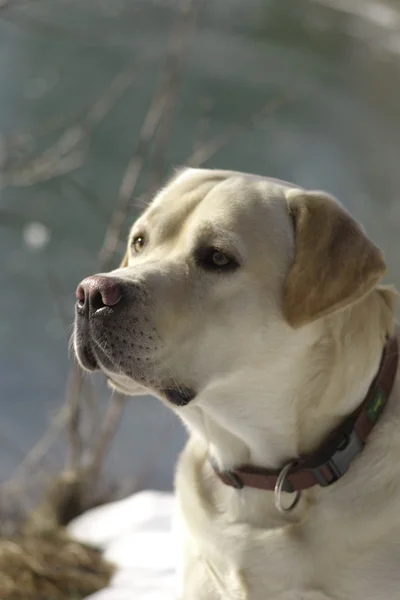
x: 89, y: 448
x: 71, y: 187
x: 41, y: 26
x: 40, y: 449
x: 159, y: 107
x: 150, y: 459
x: 207, y: 150
x: 12, y: 219
x: 203, y: 124
x: 111, y: 423
x: 174, y: 70
x: 74, y: 385
x: 75, y: 444
x: 9, y: 3
x: 9, y: 441
x: 55, y: 288
x: 69, y: 151
x: 130, y: 179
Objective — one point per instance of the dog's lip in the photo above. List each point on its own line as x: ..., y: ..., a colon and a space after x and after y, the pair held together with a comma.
x: 87, y: 358
x: 178, y: 396
x: 88, y: 350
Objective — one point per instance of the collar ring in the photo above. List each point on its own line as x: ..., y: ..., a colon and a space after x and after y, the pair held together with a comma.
x: 280, y: 482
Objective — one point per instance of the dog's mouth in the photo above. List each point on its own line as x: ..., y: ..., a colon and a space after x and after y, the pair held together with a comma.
x: 178, y: 396
x: 93, y: 358
x: 87, y: 358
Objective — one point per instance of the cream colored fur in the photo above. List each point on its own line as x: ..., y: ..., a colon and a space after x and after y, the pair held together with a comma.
x: 274, y: 374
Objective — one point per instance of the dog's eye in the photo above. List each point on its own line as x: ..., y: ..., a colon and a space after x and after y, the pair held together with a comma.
x: 138, y: 243
x: 220, y: 259
x: 214, y: 259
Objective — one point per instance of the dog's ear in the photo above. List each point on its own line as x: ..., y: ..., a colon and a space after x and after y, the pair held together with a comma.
x: 334, y: 263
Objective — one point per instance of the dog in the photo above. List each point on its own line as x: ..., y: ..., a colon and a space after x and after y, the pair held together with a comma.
x: 255, y: 310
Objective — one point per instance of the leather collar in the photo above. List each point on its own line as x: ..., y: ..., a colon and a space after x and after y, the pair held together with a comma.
x: 333, y: 457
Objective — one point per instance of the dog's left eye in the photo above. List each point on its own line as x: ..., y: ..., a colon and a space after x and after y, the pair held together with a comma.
x: 214, y: 259
x: 138, y: 243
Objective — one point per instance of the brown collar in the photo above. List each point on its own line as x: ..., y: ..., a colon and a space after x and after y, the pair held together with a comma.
x: 332, y: 459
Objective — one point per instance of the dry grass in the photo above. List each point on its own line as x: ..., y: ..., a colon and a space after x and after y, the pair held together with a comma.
x: 39, y: 561
x: 50, y: 567
x: 36, y: 565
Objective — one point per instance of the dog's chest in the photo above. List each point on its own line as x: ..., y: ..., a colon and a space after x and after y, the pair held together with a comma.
x: 246, y: 552
x: 235, y: 561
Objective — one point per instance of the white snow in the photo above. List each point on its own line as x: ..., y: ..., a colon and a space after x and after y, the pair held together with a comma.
x: 136, y: 535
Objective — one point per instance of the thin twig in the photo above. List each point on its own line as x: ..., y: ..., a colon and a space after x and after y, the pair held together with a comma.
x: 174, y: 71
x: 12, y: 219
x: 75, y: 443
x: 130, y: 179
x: 111, y: 423
x: 88, y: 196
x: 41, y: 26
x: 203, y: 124
x: 150, y: 459
x: 81, y: 390
x: 55, y: 288
x: 69, y: 151
x: 39, y: 450
x: 207, y: 150
x: 11, y: 3
x: 90, y: 397
x: 9, y: 440
x: 155, y: 113
x: 75, y: 385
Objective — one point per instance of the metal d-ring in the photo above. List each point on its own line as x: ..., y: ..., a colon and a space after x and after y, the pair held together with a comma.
x: 280, y: 482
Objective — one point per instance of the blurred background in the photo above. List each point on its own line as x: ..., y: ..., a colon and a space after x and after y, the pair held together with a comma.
x: 99, y: 100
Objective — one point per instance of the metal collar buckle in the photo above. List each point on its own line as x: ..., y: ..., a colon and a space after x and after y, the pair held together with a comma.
x: 338, y: 464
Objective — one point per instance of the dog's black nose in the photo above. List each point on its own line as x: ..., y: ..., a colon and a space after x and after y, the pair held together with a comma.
x: 98, y: 291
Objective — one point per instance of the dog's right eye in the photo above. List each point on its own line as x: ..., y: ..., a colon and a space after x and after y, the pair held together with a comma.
x: 214, y: 259
x: 138, y: 243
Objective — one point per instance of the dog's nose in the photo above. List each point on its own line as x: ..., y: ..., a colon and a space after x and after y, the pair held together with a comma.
x: 98, y: 291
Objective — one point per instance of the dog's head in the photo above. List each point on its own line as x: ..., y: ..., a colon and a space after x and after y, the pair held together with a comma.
x: 225, y: 275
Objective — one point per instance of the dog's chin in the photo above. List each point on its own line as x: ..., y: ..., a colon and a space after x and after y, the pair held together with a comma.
x: 177, y: 395
x: 129, y: 389
x: 173, y: 395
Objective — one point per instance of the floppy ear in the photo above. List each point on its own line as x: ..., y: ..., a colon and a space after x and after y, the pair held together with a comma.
x: 334, y: 263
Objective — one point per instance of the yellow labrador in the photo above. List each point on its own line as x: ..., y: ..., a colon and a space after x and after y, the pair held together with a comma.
x: 252, y: 308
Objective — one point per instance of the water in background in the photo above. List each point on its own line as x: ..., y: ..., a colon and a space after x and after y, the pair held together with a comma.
x: 336, y: 61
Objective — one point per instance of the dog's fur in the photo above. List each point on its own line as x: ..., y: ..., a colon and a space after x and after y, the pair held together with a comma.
x: 278, y: 351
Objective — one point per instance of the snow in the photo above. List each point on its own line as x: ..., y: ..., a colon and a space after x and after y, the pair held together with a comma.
x: 136, y: 535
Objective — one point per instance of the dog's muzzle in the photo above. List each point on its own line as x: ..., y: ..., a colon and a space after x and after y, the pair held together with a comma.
x: 113, y: 333
x: 99, y: 300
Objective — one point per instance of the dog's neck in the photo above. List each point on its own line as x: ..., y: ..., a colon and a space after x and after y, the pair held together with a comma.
x: 321, y: 379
